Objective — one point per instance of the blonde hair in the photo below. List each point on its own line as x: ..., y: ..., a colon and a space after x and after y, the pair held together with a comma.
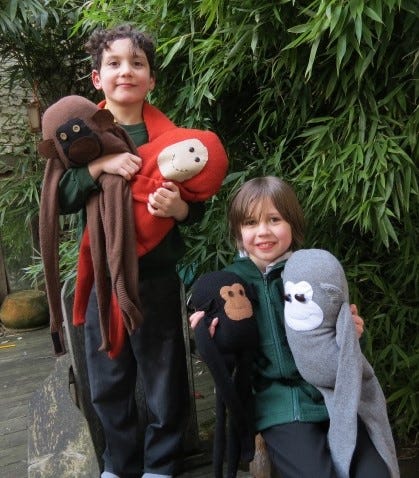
x: 255, y: 192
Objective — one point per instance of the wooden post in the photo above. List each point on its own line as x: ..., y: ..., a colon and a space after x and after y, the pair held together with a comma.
x: 4, y: 281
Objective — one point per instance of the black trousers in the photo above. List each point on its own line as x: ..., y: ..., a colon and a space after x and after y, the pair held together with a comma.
x: 157, y: 353
x: 300, y: 450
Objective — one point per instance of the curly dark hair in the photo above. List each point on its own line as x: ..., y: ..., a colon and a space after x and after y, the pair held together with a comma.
x: 101, y: 39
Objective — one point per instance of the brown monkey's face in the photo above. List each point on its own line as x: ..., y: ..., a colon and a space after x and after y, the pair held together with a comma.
x: 237, y: 306
x: 79, y: 143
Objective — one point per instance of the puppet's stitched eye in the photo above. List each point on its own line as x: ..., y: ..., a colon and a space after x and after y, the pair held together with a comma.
x: 76, y: 128
x: 287, y: 297
x: 63, y: 136
x: 241, y: 292
x: 230, y: 293
x: 191, y: 149
x: 300, y: 297
x: 197, y: 159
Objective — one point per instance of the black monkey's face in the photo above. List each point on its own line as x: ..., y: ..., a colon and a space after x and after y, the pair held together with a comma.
x: 237, y: 306
x: 223, y: 294
x: 237, y: 329
x: 79, y: 143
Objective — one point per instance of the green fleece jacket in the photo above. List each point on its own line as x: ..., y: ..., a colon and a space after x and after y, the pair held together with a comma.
x: 281, y: 394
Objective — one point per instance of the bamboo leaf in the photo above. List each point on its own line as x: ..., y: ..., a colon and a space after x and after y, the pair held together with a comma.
x: 358, y: 28
x: 341, y: 50
x: 299, y: 29
x: 177, y: 45
x: 373, y: 14
x: 313, y: 52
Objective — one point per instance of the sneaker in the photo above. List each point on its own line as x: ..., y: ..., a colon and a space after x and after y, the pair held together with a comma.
x: 108, y: 474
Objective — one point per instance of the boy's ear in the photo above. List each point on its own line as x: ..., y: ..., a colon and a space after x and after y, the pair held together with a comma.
x: 104, y: 119
x: 46, y: 148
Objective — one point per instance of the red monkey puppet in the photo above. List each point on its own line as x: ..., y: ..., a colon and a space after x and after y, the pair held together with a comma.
x: 194, y: 160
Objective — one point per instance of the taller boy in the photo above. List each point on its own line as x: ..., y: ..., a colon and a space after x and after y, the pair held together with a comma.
x: 123, y: 68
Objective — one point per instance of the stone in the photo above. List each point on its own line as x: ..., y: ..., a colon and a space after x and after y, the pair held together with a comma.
x: 25, y: 309
x: 59, y: 441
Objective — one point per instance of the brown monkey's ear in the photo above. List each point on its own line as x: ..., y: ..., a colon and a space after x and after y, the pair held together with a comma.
x: 103, y: 119
x: 47, y: 149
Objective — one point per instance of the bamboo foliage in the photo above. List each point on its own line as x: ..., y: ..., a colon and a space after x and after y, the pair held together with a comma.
x: 41, y: 56
x: 38, y: 50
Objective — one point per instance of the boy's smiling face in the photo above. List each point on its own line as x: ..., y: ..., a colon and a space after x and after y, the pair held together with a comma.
x: 265, y: 235
x: 124, y: 76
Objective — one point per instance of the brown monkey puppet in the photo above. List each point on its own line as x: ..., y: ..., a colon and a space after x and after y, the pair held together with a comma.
x: 229, y: 356
x: 75, y: 131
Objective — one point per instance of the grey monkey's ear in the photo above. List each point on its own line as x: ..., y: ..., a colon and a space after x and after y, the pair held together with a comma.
x: 104, y: 119
x: 334, y: 293
x: 47, y: 149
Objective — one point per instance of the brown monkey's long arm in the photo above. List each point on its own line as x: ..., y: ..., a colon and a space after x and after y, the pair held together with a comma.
x: 48, y: 238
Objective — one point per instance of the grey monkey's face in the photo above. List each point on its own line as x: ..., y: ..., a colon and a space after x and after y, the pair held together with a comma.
x: 301, y: 312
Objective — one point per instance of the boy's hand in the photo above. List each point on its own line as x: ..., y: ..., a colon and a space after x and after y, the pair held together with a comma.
x: 124, y: 164
x: 197, y: 316
x: 358, y: 321
x: 167, y: 202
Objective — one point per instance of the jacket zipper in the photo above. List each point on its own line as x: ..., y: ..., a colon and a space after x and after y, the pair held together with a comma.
x: 273, y: 325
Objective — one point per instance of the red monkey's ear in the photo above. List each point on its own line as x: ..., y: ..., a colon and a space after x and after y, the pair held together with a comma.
x: 47, y: 149
x: 104, y: 119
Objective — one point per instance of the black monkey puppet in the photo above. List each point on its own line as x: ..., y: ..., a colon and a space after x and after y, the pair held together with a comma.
x: 228, y: 355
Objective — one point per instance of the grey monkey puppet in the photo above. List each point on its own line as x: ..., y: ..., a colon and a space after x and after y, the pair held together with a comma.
x: 322, y: 338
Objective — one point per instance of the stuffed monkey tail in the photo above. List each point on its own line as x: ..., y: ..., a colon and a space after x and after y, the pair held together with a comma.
x: 49, y: 238
x: 211, y: 355
x: 243, y: 385
x: 219, y: 442
x: 120, y: 245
